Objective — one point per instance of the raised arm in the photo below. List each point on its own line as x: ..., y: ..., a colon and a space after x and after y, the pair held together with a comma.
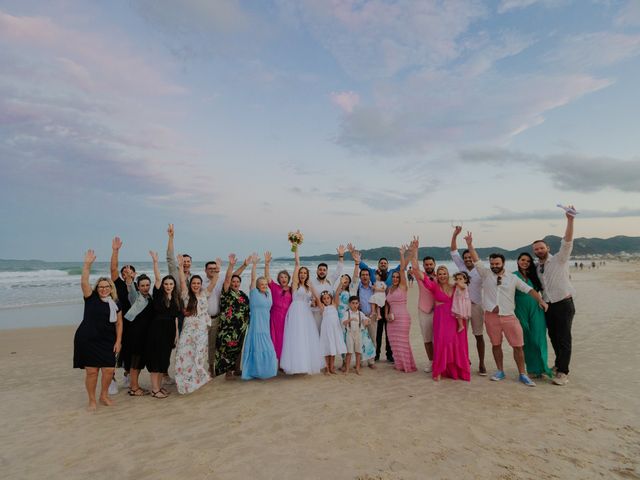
x: 116, y: 244
x: 454, y: 238
x: 469, y: 239
x: 181, y: 277
x: 340, y: 268
x: 156, y: 269
x: 171, y: 256
x: 254, y: 267
x: 568, y: 233
x: 413, y: 257
x: 229, y: 274
x: 402, y: 267
x: 242, y: 267
x: 132, y: 293
x: 267, y: 262
x: 89, y: 258
x: 296, y: 269
x: 455, y: 255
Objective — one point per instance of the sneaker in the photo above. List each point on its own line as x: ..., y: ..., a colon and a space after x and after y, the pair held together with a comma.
x: 526, y: 380
x: 482, y: 372
x: 428, y: 368
x: 499, y: 375
x: 560, y: 379
x: 113, y: 387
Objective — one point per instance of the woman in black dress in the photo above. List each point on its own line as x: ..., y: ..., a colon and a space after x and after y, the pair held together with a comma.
x: 162, y: 334
x: 98, y: 338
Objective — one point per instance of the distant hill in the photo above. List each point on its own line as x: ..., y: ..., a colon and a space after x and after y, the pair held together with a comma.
x: 581, y: 247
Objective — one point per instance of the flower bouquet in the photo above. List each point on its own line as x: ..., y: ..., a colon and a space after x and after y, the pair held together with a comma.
x: 295, y: 239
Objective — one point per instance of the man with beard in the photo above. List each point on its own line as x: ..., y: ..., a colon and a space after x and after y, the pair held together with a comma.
x: 321, y: 283
x: 498, y: 301
x: 465, y: 264
x: 385, y: 276
x: 553, y: 271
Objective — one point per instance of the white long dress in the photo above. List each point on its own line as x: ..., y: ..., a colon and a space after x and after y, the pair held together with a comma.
x: 331, y: 333
x: 301, y: 342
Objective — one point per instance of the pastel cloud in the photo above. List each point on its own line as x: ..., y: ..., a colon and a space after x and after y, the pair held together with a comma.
x: 347, y: 101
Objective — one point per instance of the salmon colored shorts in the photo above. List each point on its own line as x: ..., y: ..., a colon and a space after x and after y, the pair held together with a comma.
x: 508, y: 325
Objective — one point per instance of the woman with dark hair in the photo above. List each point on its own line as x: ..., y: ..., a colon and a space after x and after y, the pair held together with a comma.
x: 234, y: 319
x: 301, y: 343
x: 281, y: 297
x: 97, y: 339
x: 193, y: 344
x: 531, y: 317
x: 162, y: 335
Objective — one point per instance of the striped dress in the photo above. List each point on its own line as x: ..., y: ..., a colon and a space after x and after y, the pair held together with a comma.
x: 398, y: 331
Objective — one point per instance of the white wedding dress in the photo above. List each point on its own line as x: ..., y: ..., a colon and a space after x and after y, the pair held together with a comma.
x: 301, y: 341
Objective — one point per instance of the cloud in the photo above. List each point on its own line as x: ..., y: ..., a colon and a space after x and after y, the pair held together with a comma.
x: 506, y: 215
x: 510, y: 5
x: 568, y: 171
x: 629, y: 15
x: 347, y: 101
x: 590, y: 51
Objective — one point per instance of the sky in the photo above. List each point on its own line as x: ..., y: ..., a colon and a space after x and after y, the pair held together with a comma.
x: 351, y: 120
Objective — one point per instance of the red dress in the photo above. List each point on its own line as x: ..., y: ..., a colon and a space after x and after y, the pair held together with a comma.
x: 281, y: 301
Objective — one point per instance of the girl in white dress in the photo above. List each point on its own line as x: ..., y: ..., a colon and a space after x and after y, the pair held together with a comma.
x: 301, y: 342
x: 331, y: 335
x: 379, y: 297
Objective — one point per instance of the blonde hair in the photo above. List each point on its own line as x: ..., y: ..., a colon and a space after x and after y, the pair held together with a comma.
x: 114, y: 292
x: 261, y: 279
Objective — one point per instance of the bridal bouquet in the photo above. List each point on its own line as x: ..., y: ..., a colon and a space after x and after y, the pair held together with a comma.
x: 295, y: 239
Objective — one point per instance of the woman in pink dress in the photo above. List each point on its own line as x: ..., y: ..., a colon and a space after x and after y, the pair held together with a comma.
x: 281, y: 296
x: 399, y: 320
x: 450, y: 348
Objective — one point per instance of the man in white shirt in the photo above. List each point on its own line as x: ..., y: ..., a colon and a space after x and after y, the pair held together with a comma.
x: 498, y: 301
x: 322, y: 281
x: 465, y: 264
x: 553, y: 271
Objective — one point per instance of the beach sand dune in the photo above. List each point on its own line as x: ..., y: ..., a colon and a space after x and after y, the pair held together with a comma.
x: 380, y: 425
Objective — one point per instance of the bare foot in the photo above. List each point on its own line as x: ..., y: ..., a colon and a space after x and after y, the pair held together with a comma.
x: 372, y: 365
x: 333, y: 372
x: 92, y: 407
x: 106, y: 401
x: 345, y: 372
x: 436, y: 379
x: 326, y: 371
x: 357, y: 371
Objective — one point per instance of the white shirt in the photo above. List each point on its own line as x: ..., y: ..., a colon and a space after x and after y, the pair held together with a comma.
x: 503, y: 295
x: 555, y: 279
x: 475, y: 287
x: 214, y: 298
x: 328, y: 283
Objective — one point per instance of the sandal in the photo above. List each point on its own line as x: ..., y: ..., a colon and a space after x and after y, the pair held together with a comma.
x: 158, y: 394
x: 138, y: 392
x: 165, y: 391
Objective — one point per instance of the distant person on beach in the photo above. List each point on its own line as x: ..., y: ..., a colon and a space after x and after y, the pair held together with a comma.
x: 324, y: 281
x: 98, y: 338
x: 410, y: 276
x: 398, y: 317
x: 465, y: 264
x: 553, y: 271
x: 532, y: 320
x: 498, y: 300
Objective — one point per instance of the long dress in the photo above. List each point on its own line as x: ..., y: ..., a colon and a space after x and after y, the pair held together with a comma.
x: 450, y: 347
x: 301, y: 344
x: 281, y: 301
x: 193, y: 348
x: 161, y: 334
x: 331, y: 333
x: 534, y: 328
x: 234, y: 319
x: 398, y: 331
x: 95, y: 337
x: 137, y: 332
x: 258, y: 356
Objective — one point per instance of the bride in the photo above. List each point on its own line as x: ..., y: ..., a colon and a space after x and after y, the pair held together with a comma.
x: 301, y: 342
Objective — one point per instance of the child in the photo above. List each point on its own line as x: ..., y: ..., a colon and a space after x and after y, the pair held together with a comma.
x: 355, y: 321
x: 342, y: 296
x: 331, y: 336
x: 461, y: 306
x: 379, y: 296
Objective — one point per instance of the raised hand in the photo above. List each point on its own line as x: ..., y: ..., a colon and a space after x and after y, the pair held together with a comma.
x: 127, y: 274
x: 154, y: 256
x: 356, y: 257
x: 254, y: 258
x: 180, y: 259
x: 219, y: 262
x: 468, y: 238
x: 89, y: 257
x: 116, y: 243
x: 341, y: 249
x: 267, y: 257
x: 232, y: 259
x: 403, y: 249
x: 457, y: 230
x: 170, y: 230
x: 351, y: 248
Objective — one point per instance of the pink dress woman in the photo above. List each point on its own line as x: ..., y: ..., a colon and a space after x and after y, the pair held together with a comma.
x: 398, y: 331
x: 281, y: 301
x: 450, y: 348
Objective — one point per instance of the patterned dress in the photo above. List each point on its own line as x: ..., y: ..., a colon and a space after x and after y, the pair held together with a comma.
x: 234, y: 320
x: 398, y: 331
x: 193, y: 348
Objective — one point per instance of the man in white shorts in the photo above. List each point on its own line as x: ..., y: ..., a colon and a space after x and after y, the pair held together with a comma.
x: 465, y: 264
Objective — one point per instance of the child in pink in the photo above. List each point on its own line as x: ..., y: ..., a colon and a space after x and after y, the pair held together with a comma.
x: 461, y: 305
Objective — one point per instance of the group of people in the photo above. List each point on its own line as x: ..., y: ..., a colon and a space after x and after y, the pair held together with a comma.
x: 300, y: 323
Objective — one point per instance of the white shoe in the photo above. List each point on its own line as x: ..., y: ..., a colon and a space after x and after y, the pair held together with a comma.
x: 127, y: 381
x: 113, y: 387
x: 168, y: 380
x: 428, y: 368
x: 560, y: 379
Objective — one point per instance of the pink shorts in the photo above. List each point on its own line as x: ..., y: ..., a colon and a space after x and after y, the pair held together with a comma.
x: 496, y: 325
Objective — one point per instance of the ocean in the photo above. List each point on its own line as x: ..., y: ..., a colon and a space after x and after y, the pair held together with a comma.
x: 36, y: 293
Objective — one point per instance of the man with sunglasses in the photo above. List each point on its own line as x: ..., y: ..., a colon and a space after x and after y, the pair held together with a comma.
x: 553, y: 271
x: 498, y: 300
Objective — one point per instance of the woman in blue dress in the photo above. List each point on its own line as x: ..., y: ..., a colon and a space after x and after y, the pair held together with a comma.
x: 259, y: 356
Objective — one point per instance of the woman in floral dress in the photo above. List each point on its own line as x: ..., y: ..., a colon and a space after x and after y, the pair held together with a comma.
x: 193, y: 344
x: 234, y: 320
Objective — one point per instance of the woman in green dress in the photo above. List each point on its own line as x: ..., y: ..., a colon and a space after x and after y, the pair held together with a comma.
x: 531, y: 318
x: 234, y: 320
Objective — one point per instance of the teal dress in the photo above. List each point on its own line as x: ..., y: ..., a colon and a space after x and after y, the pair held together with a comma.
x: 259, y: 356
x: 534, y: 327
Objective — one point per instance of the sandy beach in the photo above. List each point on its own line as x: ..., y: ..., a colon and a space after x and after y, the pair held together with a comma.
x: 380, y: 425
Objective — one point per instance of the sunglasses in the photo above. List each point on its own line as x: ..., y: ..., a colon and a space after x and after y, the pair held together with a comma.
x: 542, y: 268
x: 498, y: 281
